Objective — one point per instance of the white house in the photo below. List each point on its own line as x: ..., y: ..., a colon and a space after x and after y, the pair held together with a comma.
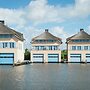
x: 11, y: 45
x: 46, y: 48
x: 78, y: 47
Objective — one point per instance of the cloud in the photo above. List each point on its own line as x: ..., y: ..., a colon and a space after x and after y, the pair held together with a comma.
x: 88, y: 29
x: 39, y: 11
x: 12, y: 16
x: 29, y: 33
x: 60, y: 32
x: 80, y: 9
x: 28, y: 19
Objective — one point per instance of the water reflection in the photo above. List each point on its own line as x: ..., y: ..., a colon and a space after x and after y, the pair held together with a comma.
x: 45, y: 77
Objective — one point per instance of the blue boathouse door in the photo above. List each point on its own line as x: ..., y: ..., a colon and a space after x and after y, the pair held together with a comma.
x: 38, y: 58
x: 6, y: 58
x: 75, y: 57
x: 53, y: 57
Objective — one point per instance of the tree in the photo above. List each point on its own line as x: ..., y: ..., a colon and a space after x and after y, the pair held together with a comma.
x: 27, y: 54
x: 64, y: 54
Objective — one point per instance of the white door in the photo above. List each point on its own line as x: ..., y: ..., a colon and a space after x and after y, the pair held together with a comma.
x: 53, y: 57
x: 38, y: 58
x: 6, y: 58
x: 75, y: 58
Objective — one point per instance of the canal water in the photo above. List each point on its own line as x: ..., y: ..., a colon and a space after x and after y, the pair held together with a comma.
x: 45, y: 77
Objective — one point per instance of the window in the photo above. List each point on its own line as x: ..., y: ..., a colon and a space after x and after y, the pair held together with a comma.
x: 73, y: 47
x: 55, y: 47
x: 78, y: 47
x: 43, y: 41
x: 36, y: 47
x: 6, y: 35
x: 81, y: 40
x: 50, y: 40
x: 41, y: 47
x: 50, y: 47
x: 5, y: 45
x: 12, y: 45
x: 85, y: 47
x: 44, y: 48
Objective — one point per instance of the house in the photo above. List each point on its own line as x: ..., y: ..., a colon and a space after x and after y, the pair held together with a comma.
x: 46, y: 48
x: 11, y: 45
x: 78, y: 47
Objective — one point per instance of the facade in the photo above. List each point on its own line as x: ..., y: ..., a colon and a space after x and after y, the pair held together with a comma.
x: 46, y: 48
x: 11, y: 45
x: 78, y: 47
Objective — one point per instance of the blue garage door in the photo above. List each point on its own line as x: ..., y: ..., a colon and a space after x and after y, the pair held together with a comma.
x: 53, y: 58
x: 38, y: 58
x: 75, y: 57
x: 6, y: 58
x: 87, y: 57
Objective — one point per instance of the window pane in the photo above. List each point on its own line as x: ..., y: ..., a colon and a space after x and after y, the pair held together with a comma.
x: 78, y: 47
x: 73, y: 47
x: 85, y: 47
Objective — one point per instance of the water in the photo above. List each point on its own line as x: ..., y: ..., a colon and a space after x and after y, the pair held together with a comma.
x: 45, y: 77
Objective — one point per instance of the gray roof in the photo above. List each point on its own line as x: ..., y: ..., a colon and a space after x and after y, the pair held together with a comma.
x: 46, y: 36
x: 80, y: 35
x: 6, y: 30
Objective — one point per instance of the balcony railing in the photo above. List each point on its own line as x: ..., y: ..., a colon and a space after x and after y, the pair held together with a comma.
x: 45, y: 49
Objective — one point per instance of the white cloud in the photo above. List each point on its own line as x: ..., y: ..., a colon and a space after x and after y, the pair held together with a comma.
x: 29, y: 33
x: 12, y: 16
x: 38, y: 12
x: 60, y: 32
x: 88, y: 29
x: 81, y: 8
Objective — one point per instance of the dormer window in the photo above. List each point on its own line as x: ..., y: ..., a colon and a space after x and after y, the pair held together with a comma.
x: 6, y: 35
x: 42, y: 41
x: 81, y: 40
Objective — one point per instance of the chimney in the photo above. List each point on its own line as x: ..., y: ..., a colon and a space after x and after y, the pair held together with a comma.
x: 46, y: 30
x: 81, y: 29
x: 2, y: 21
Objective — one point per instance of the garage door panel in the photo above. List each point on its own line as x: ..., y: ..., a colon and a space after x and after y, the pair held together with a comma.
x: 53, y: 58
x: 38, y: 58
x: 6, y: 59
x: 6, y: 55
x: 75, y: 57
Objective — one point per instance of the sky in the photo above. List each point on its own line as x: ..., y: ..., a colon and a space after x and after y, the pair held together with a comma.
x: 63, y: 18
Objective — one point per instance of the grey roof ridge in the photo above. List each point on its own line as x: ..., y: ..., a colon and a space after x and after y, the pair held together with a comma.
x: 16, y: 33
x: 47, y: 32
x: 81, y: 32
